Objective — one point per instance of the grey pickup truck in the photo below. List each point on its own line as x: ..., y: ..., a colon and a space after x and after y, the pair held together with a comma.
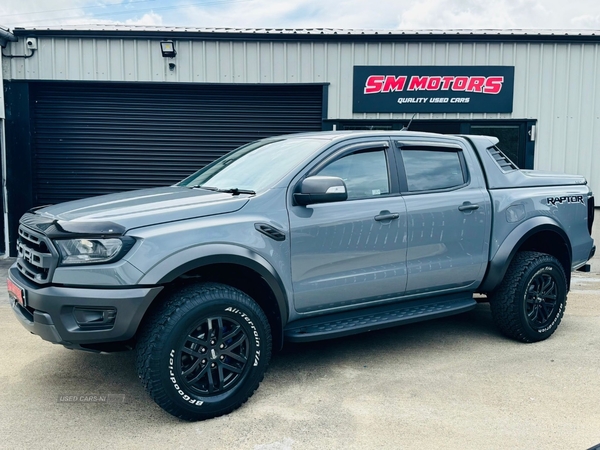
x: 300, y: 238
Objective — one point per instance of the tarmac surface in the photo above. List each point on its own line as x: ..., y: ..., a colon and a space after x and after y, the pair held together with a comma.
x: 450, y: 383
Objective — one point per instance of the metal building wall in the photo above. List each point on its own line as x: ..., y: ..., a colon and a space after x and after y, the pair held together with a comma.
x: 555, y: 83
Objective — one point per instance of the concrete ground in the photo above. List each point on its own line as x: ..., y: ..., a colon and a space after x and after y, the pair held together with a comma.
x: 449, y: 383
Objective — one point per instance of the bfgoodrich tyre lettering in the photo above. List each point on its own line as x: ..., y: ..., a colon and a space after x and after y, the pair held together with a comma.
x: 204, y: 351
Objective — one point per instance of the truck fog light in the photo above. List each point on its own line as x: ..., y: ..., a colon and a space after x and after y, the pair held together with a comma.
x: 95, y: 317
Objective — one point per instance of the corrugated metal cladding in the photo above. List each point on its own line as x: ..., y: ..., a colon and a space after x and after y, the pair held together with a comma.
x: 555, y: 83
x: 98, y: 138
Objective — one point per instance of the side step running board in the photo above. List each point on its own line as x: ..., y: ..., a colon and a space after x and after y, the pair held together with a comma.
x: 375, y: 318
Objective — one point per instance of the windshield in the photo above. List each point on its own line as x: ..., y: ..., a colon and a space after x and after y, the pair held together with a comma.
x: 256, y: 166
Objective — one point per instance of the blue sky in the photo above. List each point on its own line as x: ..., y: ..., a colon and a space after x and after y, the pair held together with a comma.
x: 383, y: 14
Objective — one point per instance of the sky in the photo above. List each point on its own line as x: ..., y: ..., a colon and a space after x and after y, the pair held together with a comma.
x: 357, y: 14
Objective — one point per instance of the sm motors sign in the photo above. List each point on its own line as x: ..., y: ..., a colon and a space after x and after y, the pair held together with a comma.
x: 433, y: 89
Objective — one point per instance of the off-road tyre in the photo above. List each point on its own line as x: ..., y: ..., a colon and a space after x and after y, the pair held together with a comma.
x: 203, y: 352
x: 530, y: 302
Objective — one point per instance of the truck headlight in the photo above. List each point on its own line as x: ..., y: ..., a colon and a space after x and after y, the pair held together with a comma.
x: 92, y: 250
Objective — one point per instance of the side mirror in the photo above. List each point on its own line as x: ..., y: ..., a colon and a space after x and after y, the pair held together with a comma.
x: 318, y: 189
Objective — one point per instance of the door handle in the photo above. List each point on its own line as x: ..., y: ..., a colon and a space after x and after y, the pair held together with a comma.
x: 468, y: 206
x: 386, y: 215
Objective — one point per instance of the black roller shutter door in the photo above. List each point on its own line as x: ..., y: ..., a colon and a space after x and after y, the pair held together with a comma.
x: 99, y: 138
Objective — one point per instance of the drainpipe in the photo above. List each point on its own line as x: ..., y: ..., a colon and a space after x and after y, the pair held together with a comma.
x: 6, y: 36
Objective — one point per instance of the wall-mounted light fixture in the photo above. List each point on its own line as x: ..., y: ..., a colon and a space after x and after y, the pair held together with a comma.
x: 168, y: 49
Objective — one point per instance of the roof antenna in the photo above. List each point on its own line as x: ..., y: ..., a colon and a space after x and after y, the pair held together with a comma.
x: 409, y: 122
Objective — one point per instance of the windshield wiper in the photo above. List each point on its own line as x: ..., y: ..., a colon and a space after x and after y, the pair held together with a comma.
x: 234, y: 191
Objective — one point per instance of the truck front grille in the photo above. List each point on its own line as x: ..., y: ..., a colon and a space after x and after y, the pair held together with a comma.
x: 35, y: 260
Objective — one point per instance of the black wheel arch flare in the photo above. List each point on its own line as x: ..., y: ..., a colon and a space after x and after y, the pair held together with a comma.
x: 515, y: 242
x: 206, y: 255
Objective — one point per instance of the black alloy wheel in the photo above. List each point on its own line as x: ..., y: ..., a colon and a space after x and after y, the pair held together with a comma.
x: 541, y: 301
x: 214, y: 356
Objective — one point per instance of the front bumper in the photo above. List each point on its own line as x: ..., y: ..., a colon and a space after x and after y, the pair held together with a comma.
x: 50, y: 311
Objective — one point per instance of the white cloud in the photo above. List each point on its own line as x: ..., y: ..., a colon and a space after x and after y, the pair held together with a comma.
x: 39, y: 13
x: 393, y: 14
x: 586, y: 21
x: 361, y: 14
x: 18, y: 13
x: 297, y: 14
x: 476, y: 14
x: 150, y: 18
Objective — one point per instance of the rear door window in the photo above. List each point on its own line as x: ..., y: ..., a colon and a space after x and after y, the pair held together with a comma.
x: 432, y: 169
